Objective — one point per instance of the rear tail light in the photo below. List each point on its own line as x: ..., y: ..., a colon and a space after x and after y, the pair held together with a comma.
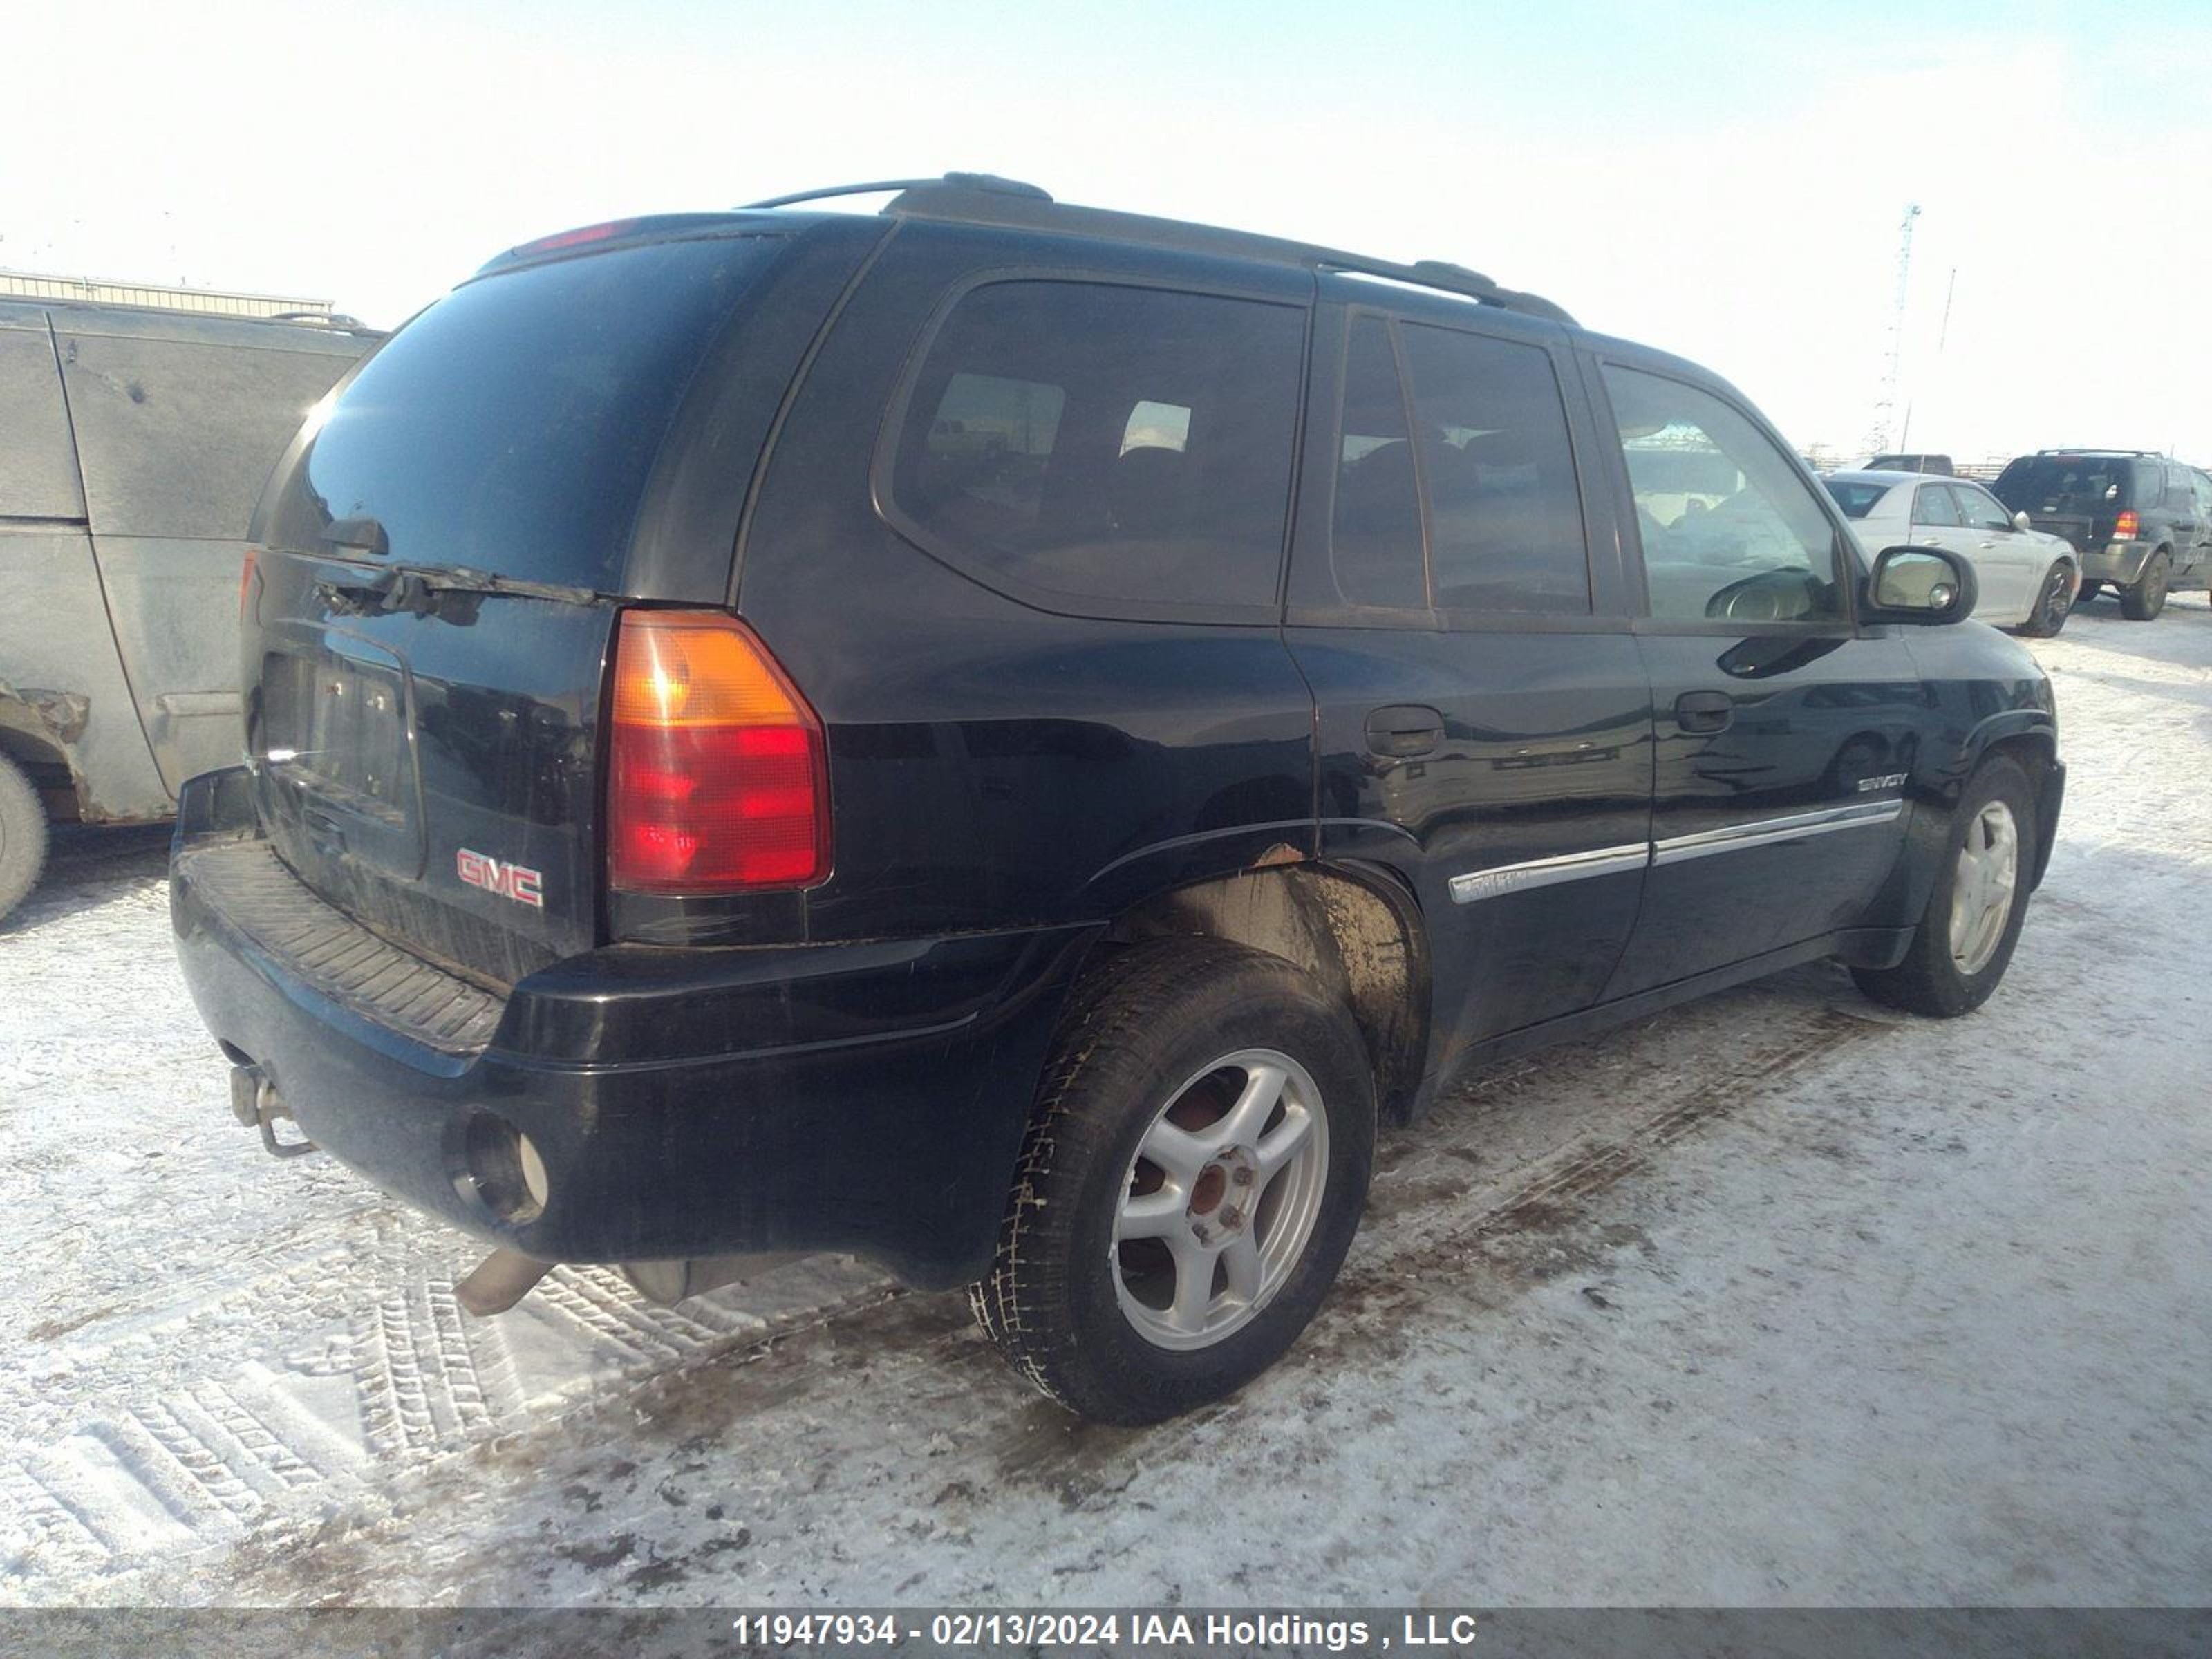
x: 719, y: 776
x: 2127, y: 526
x: 246, y: 579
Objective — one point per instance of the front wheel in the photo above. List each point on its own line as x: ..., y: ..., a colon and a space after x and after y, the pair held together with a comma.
x: 2143, y: 601
x: 1965, y: 940
x: 2054, y: 603
x: 1193, y: 1173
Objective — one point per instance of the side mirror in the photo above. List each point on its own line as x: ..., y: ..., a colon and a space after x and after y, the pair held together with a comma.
x: 2020, y: 521
x: 1921, y: 584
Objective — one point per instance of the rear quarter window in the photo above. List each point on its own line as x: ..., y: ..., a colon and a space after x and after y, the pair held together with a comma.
x: 512, y: 426
x: 1104, y: 449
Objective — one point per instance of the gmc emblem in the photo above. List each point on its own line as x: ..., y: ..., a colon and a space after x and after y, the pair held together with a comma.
x: 516, y: 881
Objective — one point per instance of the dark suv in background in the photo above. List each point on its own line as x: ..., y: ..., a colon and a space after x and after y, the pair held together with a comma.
x: 2138, y: 520
x: 1003, y: 738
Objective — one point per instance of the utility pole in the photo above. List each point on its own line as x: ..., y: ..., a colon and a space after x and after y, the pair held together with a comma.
x: 1886, y: 404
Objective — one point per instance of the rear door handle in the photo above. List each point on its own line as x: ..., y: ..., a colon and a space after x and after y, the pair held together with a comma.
x: 1705, y: 711
x: 1404, y: 729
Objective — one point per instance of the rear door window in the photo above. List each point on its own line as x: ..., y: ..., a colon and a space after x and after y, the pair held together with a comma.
x: 1505, y: 517
x: 1106, y: 449
x: 1730, y: 532
x: 512, y: 426
x: 1935, y: 505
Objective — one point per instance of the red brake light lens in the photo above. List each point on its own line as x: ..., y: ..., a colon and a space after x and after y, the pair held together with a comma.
x: 589, y: 234
x: 718, y: 777
x: 2127, y: 526
x: 246, y: 579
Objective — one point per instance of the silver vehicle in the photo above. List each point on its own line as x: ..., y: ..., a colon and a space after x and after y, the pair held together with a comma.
x: 133, y: 444
x: 2028, y: 579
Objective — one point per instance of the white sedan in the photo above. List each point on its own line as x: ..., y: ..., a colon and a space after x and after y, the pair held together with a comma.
x: 2028, y: 579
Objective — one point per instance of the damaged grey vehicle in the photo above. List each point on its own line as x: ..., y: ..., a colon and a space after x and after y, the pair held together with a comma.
x: 133, y: 442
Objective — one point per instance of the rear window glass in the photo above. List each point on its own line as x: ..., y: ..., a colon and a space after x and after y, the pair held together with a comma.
x: 1856, y: 499
x: 2067, y: 484
x: 511, y: 427
x: 1115, y: 446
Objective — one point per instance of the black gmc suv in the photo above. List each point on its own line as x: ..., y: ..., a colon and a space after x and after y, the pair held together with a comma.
x: 1003, y: 738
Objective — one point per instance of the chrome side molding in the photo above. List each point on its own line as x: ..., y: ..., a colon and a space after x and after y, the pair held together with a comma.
x: 1546, y: 872
x: 1616, y: 860
x: 1768, y: 832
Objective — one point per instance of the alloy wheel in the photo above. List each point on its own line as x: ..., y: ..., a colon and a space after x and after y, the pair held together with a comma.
x: 1982, y: 886
x: 2057, y: 598
x: 1221, y: 1198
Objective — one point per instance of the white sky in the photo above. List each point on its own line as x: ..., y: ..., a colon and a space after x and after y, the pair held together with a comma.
x: 1723, y: 180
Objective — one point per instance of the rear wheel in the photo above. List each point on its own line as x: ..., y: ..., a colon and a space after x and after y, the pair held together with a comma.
x: 2147, y: 597
x: 22, y: 836
x: 1965, y: 940
x: 1193, y: 1175
x: 2054, y: 603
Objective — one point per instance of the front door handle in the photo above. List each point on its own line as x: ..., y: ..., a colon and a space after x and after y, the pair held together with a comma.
x: 1704, y: 712
x: 1404, y: 729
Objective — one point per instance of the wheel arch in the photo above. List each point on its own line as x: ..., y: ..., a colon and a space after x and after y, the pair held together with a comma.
x: 2035, y: 750
x: 47, y: 764
x: 1355, y: 929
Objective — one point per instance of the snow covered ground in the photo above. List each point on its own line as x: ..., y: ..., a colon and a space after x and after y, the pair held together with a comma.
x: 1779, y: 1299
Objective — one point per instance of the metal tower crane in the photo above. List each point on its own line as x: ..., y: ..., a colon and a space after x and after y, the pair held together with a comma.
x: 1886, y: 402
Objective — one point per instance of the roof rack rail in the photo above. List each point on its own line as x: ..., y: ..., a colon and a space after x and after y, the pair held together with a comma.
x: 989, y: 183
x: 981, y: 199
x: 2076, y: 449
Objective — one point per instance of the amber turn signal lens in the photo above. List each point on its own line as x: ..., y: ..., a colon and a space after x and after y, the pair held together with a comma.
x: 717, y: 779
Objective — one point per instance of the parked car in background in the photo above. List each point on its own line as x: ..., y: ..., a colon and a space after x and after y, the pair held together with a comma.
x: 2133, y: 517
x: 2028, y: 578
x: 134, y: 443
x: 1939, y: 465
x: 1003, y: 737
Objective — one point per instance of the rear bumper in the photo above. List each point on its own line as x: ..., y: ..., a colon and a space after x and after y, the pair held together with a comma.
x: 868, y: 1097
x: 2118, y: 562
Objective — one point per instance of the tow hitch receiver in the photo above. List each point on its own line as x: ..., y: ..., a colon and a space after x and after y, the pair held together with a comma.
x: 255, y: 1103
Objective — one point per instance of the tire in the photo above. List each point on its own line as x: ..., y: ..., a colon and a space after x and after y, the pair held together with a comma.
x: 1937, y: 978
x: 2143, y: 601
x: 22, y: 836
x: 2053, y: 603
x: 2090, y: 588
x: 1156, y: 1041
